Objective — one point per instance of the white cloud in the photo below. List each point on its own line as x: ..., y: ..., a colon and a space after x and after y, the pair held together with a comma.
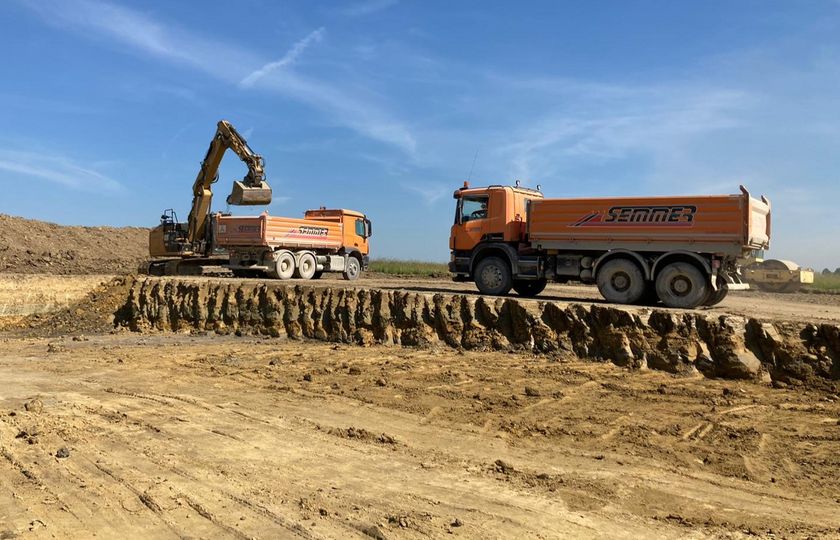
x: 288, y: 59
x: 430, y: 192
x: 610, y: 123
x: 227, y: 62
x: 343, y: 109
x: 56, y: 169
x: 137, y: 30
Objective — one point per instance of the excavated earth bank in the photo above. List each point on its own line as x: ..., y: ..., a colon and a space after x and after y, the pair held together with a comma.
x: 678, y: 342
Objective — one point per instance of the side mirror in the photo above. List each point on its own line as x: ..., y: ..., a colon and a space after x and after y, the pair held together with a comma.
x: 368, y: 228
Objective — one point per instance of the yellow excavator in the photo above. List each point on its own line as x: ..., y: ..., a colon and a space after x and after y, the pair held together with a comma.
x: 184, y: 248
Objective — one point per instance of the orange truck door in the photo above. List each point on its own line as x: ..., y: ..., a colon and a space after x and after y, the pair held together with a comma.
x: 360, y: 235
x: 473, y: 221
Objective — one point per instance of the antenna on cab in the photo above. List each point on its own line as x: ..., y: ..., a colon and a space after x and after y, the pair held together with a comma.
x: 469, y: 176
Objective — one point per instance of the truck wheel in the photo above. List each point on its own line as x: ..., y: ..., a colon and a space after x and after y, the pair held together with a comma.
x: 529, y: 289
x: 716, y: 297
x: 492, y: 276
x: 306, y: 267
x: 318, y: 274
x: 682, y: 285
x: 284, y: 265
x: 621, y: 281
x: 353, y: 269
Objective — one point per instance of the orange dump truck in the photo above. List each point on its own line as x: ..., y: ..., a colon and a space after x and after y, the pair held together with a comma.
x: 680, y: 250
x: 323, y: 241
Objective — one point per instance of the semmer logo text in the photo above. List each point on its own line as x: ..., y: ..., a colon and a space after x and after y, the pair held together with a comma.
x: 309, y: 231
x: 666, y: 216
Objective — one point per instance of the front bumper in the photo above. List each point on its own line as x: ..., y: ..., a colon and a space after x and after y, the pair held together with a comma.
x: 459, y: 264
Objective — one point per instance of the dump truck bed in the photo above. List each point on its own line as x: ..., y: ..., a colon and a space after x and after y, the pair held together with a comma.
x: 724, y: 224
x: 278, y: 232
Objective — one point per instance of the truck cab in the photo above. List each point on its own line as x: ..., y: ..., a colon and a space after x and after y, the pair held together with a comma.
x: 356, y: 226
x: 487, y: 215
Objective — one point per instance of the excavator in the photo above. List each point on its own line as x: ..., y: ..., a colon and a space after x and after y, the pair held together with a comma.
x: 185, y: 248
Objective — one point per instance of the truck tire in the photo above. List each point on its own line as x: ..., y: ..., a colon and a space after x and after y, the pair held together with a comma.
x: 318, y: 274
x: 352, y: 269
x: 306, y: 266
x: 492, y: 276
x: 284, y: 265
x: 682, y: 285
x: 529, y: 289
x: 717, y: 296
x: 621, y: 281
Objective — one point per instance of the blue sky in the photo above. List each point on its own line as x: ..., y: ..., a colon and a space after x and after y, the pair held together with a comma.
x: 382, y: 105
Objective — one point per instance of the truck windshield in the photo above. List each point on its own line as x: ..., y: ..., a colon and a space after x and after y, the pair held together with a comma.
x: 473, y: 208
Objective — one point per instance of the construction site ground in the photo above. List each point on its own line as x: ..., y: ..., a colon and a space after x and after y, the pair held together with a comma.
x: 138, y: 435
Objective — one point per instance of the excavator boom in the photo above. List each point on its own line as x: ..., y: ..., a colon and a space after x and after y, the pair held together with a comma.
x: 190, y: 239
x: 251, y: 190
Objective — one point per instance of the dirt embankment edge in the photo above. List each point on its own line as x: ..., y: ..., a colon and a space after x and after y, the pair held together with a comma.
x: 678, y: 342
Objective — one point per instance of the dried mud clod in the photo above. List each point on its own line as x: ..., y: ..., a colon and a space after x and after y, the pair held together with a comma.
x: 678, y: 342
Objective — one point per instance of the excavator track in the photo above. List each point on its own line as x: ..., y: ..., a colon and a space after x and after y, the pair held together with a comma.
x: 204, y: 266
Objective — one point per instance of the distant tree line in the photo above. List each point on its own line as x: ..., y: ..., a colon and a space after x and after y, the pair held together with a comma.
x: 827, y: 272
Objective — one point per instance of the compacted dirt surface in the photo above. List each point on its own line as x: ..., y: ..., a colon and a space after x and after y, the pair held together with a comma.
x: 167, y: 435
x: 175, y: 430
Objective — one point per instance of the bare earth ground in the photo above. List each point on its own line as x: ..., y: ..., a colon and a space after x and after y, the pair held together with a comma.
x: 212, y: 437
x: 175, y: 436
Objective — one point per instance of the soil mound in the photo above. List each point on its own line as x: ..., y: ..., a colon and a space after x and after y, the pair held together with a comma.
x: 37, y: 247
x: 92, y: 314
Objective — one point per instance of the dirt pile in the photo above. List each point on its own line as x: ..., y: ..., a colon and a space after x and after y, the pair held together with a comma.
x: 37, y: 247
x: 678, y: 342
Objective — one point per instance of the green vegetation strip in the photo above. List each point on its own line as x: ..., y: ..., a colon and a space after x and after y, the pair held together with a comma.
x: 826, y: 282
x: 408, y: 268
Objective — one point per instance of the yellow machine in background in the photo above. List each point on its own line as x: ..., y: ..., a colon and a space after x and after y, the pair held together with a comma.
x: 776, y: 275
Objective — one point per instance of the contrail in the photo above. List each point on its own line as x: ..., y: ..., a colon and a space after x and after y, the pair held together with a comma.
x: 289, y: 58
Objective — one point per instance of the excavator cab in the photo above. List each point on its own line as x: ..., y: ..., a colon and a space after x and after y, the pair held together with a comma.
x: 168, y: 238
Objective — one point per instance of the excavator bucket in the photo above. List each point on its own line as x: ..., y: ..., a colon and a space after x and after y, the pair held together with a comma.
x: 244, y: 195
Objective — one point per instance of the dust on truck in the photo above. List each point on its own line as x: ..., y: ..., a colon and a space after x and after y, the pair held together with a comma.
x: 680, y: 250
x: 325, y: 240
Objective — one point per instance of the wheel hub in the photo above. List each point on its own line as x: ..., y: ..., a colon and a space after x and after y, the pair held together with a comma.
x: 681, y: 286
x: 620, y: 281
x: 492, y: 277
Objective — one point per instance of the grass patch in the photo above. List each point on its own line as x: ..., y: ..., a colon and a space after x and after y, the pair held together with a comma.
x: 828, y: 282
x: 409, y: 268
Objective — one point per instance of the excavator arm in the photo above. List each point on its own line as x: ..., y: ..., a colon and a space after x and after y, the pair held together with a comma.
x: 251, y: 190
